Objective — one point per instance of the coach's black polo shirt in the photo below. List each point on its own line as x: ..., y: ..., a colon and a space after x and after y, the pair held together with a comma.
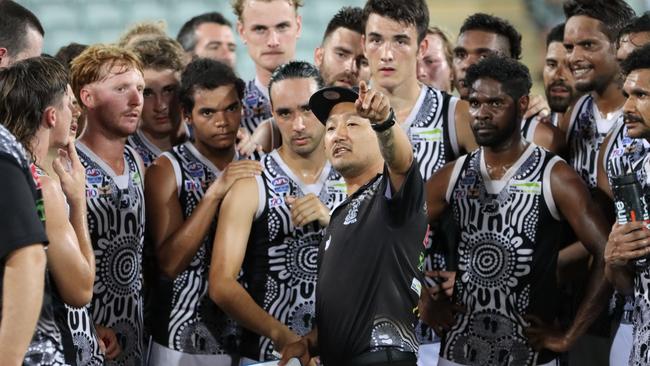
x: 369, y: 278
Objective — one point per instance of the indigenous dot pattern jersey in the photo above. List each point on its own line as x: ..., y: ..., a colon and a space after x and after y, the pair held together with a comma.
x: 50, y: 337
x: 585, y: 133
x: 625, y: 154
x: 145, y: 148
x: 369, y: 278
x: 257, y: 106
x: 116, y: 224
x: 432, y: 132
x: 79, y: 339
x: 507, y: 258
x: 280, y: 265
x: 186, y: 320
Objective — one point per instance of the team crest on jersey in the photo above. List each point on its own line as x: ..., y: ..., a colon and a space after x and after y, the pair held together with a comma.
x: 252, y: 99
x: 469, y: 179
x: 425, y: 134
x: 105, y: 191
x: 280, y: 185
x: 94, y: 176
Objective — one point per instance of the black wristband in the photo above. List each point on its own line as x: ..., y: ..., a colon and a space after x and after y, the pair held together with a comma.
x: 388, y: 123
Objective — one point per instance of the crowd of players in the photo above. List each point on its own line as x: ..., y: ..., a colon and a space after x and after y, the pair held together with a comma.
x: 191, y: 218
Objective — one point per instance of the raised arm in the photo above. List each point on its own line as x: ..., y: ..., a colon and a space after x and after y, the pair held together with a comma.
x: 231, y: 240
x: 177, y: 240
x: 394, y: 145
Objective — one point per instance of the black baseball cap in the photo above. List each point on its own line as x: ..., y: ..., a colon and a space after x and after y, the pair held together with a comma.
x: 322, y: 102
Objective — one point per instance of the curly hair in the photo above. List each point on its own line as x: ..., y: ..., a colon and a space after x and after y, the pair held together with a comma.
x: 97, y: 61
x: 512, y: 74
x: 493, y: 24
x: 612, y: 14
x: 206, y: 74
x: 638, y: 59
x: 408, y: 12
x: 158, y: 53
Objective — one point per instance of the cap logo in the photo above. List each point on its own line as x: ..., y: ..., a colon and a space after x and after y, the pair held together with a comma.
x: 332, y: 95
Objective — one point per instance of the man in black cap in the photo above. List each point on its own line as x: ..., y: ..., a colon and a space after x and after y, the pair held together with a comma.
x: 369, y: 278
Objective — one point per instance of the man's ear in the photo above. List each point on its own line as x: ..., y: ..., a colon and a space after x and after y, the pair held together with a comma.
x: 186, y: 117
x: 48, y: 119
x: 86, y: 98
x: 319, y: 52
x: 240, y: 30
x: 363, y: 44
x: 299, y: 25
x: 424, y: 46
x: 524, y: 100
x: 4, y: 57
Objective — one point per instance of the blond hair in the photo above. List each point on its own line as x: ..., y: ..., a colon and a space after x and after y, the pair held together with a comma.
x: 238, y: 6
x: 97, y: 61
x: 137, y: 30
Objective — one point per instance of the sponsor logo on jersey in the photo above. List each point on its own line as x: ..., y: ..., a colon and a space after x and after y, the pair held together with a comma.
x: 192, y: 185
x: 276, y: 202
x: 336, y: 187
x: 425, y: 134
x: 526, y: 187
x: 136, y: 178
x: 416, y: 286
x: 280, y: 185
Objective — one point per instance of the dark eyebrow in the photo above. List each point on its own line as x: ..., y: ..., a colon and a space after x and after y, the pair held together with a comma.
x: 375, y: 34
x: 402, y: 37
x: 282, y: 110
x: 207, y: 109
x: 342, y: 49
x: 459, y: 49
x: 285, y: 23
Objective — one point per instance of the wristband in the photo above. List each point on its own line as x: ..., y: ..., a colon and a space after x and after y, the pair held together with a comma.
x: 388, y: 123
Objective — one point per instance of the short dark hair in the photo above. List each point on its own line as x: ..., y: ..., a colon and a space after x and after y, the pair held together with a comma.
x: 14, y: 21
x: 206, y: 74
x: 512, y: 74
x: 26, y: 89
x: 296, y: 70
x: 612, y: 14
x: 556, y: 34
x: 493, y: 24
x: 347, y: 17
x: 67, y: 53
x: 636, y: 25
x: 638, y: 59
x: 186, y: 35
x: 408, y: 12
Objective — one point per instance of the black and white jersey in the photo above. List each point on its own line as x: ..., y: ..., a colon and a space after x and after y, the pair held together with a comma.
x: 625, y: 154
x: 185, y: 319
x: 257, y: 105
x: 280, y: 266
x: 50, y: 336
x: 145, y: 148
x: 587, y: 130
x: 116, y: 224
x: 507, y: 258
x: 432, y: 131
x: 84, y: 337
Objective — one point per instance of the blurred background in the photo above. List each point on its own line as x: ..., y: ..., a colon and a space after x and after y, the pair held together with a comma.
x: 92, y: 21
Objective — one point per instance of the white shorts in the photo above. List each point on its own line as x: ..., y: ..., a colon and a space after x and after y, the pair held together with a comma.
x: 428, y: 354
x: 619, y: 354
x: 163, y: 356
x: 444, y: 362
